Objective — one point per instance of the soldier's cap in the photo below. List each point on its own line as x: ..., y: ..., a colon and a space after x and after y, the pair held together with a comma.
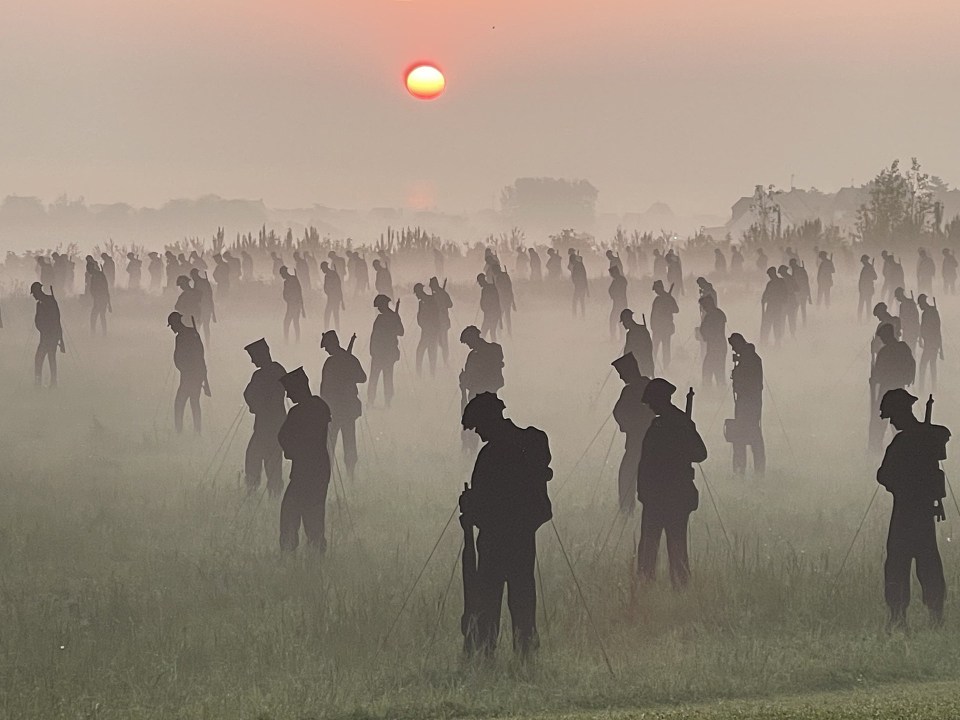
x: 886, y: 330
x: 736, y: 339
x: 330, y: 336
x: 921, y: 298
x: 658, y: 389
x: 658, y: 284
x: 626, y: 314
x: 181, y: 279
x: 878, y: 307
x: 434, y: 281
x: 295, y: 380
x: 626, y: 364
x: 468, y: 332
x: 864, y: 258
x: 257, y: 347
x: 485, y: 406
x: 174, y: 317
x: 381, y: 300
x: 418, y: 288
x: 36, y: 286
x: 896, y: 399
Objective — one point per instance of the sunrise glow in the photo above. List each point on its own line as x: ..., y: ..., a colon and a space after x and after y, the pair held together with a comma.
x: 425, y: 82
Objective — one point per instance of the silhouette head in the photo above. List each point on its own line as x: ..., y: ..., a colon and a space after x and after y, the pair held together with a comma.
x: 899, y: 294
x: 658, y: 286
x: 325, y: 266
x: 259, y: 352
x: 284, y: 271
x: 822, y: 254
x: 702, y: 282
x: 627, y: 368
x: 737, y: 342
x: 470, y: 335
x: 794, y: 263
x: 707, y: 303
x: 884, y: 254
x: 897, y: 406
x: 482, y: 280
x: 923, y: 301
x: 297, y: 385
x: 330, y: 342
x: 296, y: 255
x: 183, y: 282
x: 418, y: 290
x: 434, y: 284
x: 104, y: 256
x: 175, y: 322
x: 130, y: 255
x: 626, y: 317
x: 381, y: 302
x: 195, y: 273
x: 376, y: 264
x: 946, y: 252
x: 657, y: 395
x: 923, y: 252
x: 483, y: 414
x: 772, y: 273
x: 865, y: 259
x: 36, y: 289
x: 783, y: 270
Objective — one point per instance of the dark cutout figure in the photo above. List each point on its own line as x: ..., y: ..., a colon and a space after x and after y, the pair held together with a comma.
x: 264, y: 396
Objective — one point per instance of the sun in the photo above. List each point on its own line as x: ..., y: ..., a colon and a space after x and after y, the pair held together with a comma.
x: 425, y: 81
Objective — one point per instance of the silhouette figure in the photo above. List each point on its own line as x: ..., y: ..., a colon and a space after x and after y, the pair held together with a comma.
x: 746, y: 426
x: 665, y: 485
x: 894, y: 367
x: 482, y: 373
x: 662, y: 327
x: 719, y: 262
x: 383, y: 281
x: 155, y: 268
x: 507, y: 502
x: 109, y: 268
x: 341, y: 374
x: 208, y: 309
x: 825, y: 271
x: 581, y: 288
x: 553, y: 265
x: 444, y: 304
x: 338, y: 263
x: 188, y: 303
x: 791, y: 293
x: 264, y: 396
x: 221, y: 276
x: 911, y: 472
x: 868, y: 279
x: 246, y: 264
x: 303, y: 438
x: 293, y: 297
x: 100, y: 294
x: 508, y: 305
x: 674, y: 270
x: 384, y: 348
x: 189, y: 360
x: 705, y: 287
x: 736, y: 260
x: 638, y: 342
x: 926, y: 270
x: 536, y: 270
x: 523, y: 262
x: 490, y: 307
x: 713, y: 332
x: 333, y: 289
x: 633, y: 418
x: 47, y: 322
x: 799, y: 274
x: 949, y: 272
x: 773, y: 304
x: 172, y: 269
x: 618, y: 297
x: 302, y: 268
x: 763, y: 262
x: 134, y: 271
x: 909, y: 318
x: 428, y: 318
x: 931, y: 341
x: 359, y: 275
x: 659, y: 265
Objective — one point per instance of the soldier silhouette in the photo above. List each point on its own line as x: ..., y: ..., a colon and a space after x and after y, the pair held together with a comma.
x: 746, y: 427
x: 383, y: 280
x: 553, y: 264
x: 384, y: 348
x: 791, y: 292
x: 442, y: 298
x: 773, y: 305
x: 293, y: 297
x: 189, y: 360
x: 713, y: 332
x: 662, y: 327
x: 134, y: 271
x: 246, y: 264
x: 618, y: 298
x: 674, y: 270
x: 428, y: 318
x: 894, y: 367
x: 341, y: 374
x: 490, y: 307
x: 736, y: 260
x: 633, y: 418
x: 536, y: 269
x: 303, y: 438
x: 762, y: 262
x: 911, y: 472
x: 865, y: 286
x: 638, y: 342
x: 100, y: 294
x: 508, y: 304
x: 333, y: 289
x: 909, y: 318
x: 155, y: 269
x: 799, y: 274
x: 931, y: 340
x: 109, y: 268
x: 949, y: 272
x: 581, y: 288
x: 264, y: 396
x: 665, y: 485
x: 825, y: 271
x: 302, y: 268
x: 208, y: 310
x: 926, y: 271
x: 188, y: 302
x: 482, y: 372
x: 221, y: 276
x: 719, y: 262
x: 338, y: 263
x: 507, y: 502
x: 47, y: 322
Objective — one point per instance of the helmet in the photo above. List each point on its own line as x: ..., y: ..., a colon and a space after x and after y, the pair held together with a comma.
x: 485, y: 406
x: 895, y: 400
x: 470, y: 331
x: 174, y: 317
x: 381, y: 300
x: 658, y: 388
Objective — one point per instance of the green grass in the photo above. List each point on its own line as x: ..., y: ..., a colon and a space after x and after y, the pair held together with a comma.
x: 134, y: 584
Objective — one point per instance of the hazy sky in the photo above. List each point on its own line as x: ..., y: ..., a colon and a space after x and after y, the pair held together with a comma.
x: 690, y: 102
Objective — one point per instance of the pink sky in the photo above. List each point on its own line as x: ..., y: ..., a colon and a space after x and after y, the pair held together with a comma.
x: 298, y: 101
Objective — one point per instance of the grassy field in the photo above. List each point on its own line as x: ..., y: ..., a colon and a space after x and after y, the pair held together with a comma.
x: 137, y: 580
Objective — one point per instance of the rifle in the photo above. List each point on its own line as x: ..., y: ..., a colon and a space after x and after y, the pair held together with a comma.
x: 353, y: 339
x: 468, y: 621
x: 690, y: 395
x: 938, y: 511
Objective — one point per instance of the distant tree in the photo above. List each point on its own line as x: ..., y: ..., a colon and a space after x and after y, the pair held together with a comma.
x: 544, y: 203
x: 901, y: 208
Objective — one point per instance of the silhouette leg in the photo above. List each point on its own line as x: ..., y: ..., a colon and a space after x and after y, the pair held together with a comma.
x: 290, y: 514
x: 522, y: 593
x: 896, y: 568
x: 195, y: 410
x: 388, y: 383
x: 273, y: 465
x: 491, y: 576
x: 253, y: 462
x: 929, y: 566
x: 348, y: 432
x: 651, y: 528
x: 739, y: 458
x: 179, y: 405
x: 676, y: 528
x: 314, y: 515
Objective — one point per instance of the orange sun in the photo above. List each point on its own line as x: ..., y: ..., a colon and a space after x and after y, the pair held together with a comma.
x: 425, y: 82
